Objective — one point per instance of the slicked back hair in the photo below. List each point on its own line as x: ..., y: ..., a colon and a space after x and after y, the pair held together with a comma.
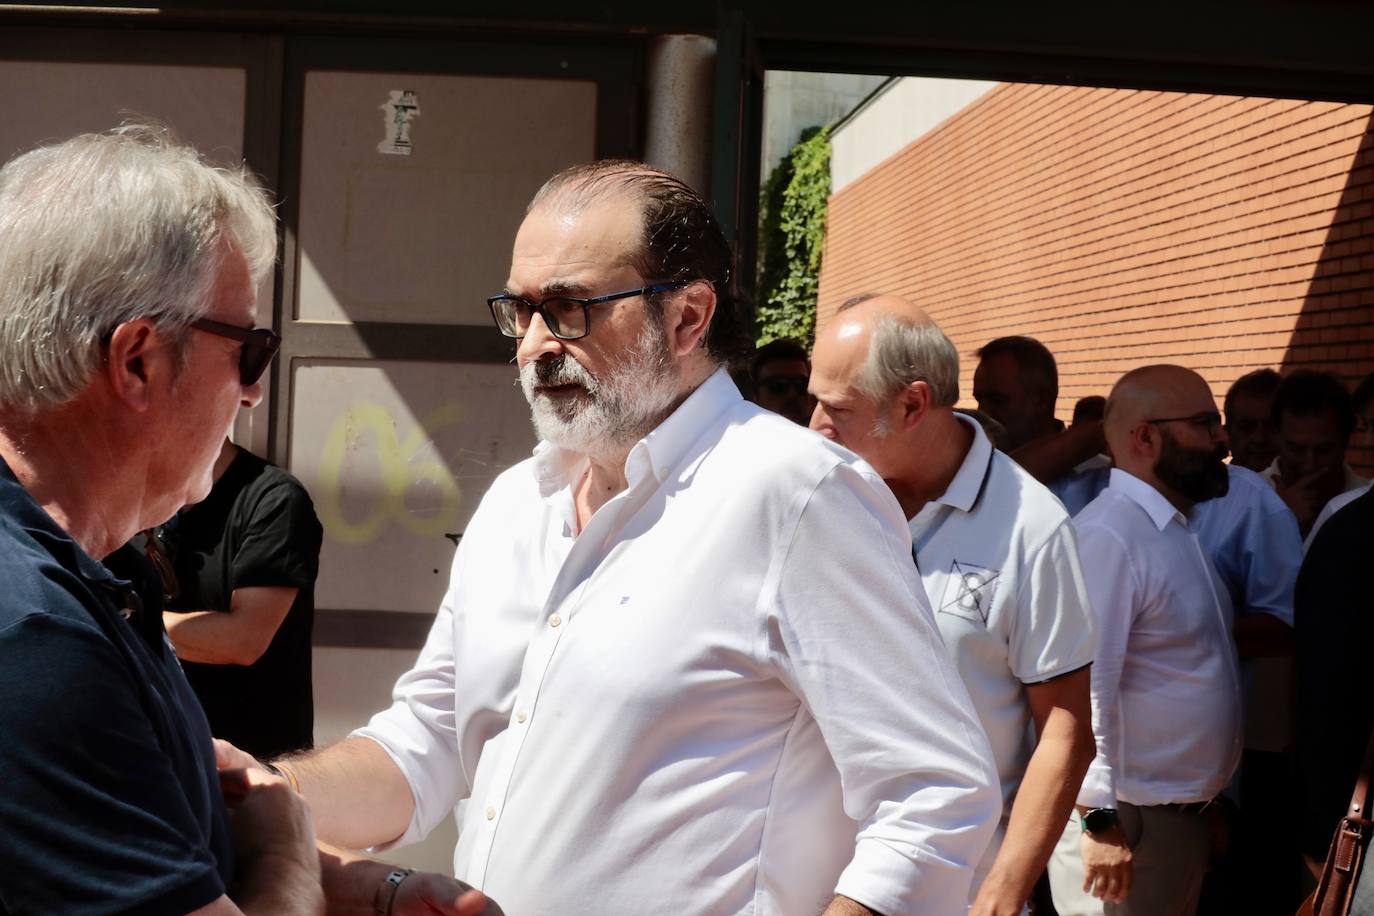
x: 105, y: 228
x: 682, y: 239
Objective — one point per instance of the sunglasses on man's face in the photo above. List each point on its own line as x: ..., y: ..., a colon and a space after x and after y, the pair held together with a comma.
x: 259, y: 346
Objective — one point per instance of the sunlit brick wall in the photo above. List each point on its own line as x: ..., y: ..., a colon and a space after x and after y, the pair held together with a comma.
x: 1126, y: 227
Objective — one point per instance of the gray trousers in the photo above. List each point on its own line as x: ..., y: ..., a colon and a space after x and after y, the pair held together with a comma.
x: 1170, y: 852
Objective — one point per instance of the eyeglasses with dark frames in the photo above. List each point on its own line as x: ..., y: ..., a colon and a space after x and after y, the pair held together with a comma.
x: 567, y: 317
x: 259, y: 346
x: 1208, y: 420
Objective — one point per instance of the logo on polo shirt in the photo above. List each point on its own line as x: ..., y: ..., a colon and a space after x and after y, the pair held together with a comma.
x: 970, y: 591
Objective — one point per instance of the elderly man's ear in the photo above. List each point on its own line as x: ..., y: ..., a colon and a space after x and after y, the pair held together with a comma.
x: 135, y: 353
x: 687, y: 315
x: 915, y: 401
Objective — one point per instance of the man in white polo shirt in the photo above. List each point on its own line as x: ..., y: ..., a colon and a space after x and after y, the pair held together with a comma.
x: 1166, y: 688
x: 997, y: 557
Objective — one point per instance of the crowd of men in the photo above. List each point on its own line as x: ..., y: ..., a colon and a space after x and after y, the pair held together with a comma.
x: 693, y: 656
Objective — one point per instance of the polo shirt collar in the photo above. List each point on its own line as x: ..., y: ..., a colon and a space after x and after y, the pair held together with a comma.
x: 963, y: 491
x: 658, y: 453
x: 1159, y: 509
x: 21, y: 511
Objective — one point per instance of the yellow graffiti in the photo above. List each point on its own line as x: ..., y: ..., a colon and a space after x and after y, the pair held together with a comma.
x: 401, y: 470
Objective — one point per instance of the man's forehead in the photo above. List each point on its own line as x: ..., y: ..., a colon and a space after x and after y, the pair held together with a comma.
x: 1323, y: 422
x: 997, y: 367
x: 1251, y: 403
x: 566, y: 250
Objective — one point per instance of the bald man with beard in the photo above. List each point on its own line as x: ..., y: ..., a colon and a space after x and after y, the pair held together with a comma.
x: 1166, y: 690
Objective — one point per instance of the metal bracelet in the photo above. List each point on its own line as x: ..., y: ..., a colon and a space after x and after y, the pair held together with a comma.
x: 386, y: 891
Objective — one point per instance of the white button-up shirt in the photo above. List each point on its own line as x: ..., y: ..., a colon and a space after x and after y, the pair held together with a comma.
x: 999, y: 562
x: 1166, y: 691
x: 726, y: 695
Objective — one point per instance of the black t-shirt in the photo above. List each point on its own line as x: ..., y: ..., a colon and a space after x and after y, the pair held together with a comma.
x: 256, y: 528
x: 1333, y: 613
x: 109, y: 798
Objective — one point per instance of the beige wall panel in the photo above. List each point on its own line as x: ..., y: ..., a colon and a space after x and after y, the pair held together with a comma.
x: 45, y: 101
x: 396, y: 455
x: 351, y: 685
x: 426, y: 237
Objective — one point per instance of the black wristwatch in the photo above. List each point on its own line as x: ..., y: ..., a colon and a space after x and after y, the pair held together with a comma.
x: 1099, y: 820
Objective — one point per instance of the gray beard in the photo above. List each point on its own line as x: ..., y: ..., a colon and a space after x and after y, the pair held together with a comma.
x: 634, y: 395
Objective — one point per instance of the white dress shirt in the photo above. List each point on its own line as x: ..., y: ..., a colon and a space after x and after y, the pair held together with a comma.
x: 726, y: 695
x: 1166, y: 692
x: 1334, y: 505
x: 999, y: 562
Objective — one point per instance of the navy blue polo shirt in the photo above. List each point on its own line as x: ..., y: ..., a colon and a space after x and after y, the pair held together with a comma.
x: 109, y: 799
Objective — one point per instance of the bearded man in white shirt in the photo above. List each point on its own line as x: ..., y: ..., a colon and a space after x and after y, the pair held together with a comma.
x: 1166, y: 689
x: 684, y: 662
x: 998, y: 560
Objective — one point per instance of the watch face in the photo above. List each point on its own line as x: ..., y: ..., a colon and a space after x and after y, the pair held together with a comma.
x: 1099, y: 819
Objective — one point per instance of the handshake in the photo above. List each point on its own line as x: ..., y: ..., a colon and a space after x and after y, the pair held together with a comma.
x: 282, y: 869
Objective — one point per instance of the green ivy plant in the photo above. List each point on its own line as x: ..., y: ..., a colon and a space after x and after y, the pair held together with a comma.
x: 791, y: 236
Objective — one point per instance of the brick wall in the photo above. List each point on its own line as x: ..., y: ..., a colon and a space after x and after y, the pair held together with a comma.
x: 1125, y: 227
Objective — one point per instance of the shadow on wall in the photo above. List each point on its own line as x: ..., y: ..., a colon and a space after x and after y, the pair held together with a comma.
x: 1335, y: 330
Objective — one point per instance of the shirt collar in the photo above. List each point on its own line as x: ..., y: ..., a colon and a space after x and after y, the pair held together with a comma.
x: 963, y: 490
x: 1160, y: 510
x: 20, y: 510
x: 658, y: 453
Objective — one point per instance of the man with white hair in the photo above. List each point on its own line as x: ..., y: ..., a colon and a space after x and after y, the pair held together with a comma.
x: 997, y: 557
x: 679, y: 665
x: 128, y: 270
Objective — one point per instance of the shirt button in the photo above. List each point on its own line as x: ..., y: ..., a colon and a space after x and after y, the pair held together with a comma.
x: 521, y: 716
x: 555, y: 620
x: 491, y: 814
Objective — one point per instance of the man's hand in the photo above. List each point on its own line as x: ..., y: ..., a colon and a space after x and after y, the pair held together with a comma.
x: 228, y: 757
x: 277, y: 868
x: 998, y: 902
x: 1106, y: 865
x: 425, y: 894
x: 266, y: 817
x: 1304, y: 497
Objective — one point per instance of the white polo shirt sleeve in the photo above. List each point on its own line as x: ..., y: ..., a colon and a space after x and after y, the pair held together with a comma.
x: 1054, y: 631
x: 862, y: 652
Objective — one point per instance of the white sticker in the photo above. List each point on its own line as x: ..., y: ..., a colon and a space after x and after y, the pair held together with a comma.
x: 398, y: 110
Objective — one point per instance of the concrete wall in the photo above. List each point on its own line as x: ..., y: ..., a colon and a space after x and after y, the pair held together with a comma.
x: 900, y: 113
x: 794, y: 101
x: 1126, y: 227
